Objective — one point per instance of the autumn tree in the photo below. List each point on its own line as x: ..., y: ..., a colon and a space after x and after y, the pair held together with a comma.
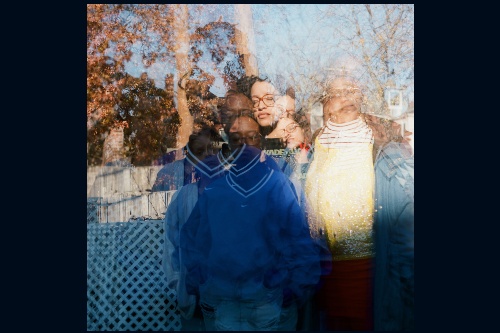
x: 102, y: 96
x: 114, y: 34
x: 215, y: 44
x: 378, y: 38
x: 158, y: 34
x: 151, y: 117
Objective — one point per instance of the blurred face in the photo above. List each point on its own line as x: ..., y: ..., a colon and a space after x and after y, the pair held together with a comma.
x: 235, y: 104
x: 291, y: 133
x: 244, y: 130
x: 263, y: 99
x: 343, y: 101
x: 284, y: 106
x: 200, y: 147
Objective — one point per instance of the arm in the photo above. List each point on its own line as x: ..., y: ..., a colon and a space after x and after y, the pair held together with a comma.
x: 394, y: 236
x: 299, y: 250
x: 195, y: 243
x: 170, y: 262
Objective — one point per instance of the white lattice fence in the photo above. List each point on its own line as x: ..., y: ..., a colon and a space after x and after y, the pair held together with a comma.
x: 93, y: 205
x: 126, y: 287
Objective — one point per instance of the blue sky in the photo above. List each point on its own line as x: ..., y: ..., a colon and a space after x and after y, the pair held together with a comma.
x: 291, y: 39
x: 277, y: 37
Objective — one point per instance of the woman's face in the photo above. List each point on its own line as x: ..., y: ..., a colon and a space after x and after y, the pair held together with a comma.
x: 284, y: 107
x: 291, y: 133
x: 343, y: 102
x: 263, y: 100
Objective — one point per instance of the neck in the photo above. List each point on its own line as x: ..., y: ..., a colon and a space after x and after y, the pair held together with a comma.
x: 336, y: 121
x: 341, y: 118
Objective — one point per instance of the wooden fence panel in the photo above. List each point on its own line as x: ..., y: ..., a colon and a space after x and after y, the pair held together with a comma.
x: 125, y: 207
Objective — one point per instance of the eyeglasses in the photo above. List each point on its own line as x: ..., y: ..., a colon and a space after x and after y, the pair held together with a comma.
x: 343, y: 92
x: 235, y: 138
x: 226, y: 114
x: 268, y: 100
x: 290, y: 128
x: 282, y: 110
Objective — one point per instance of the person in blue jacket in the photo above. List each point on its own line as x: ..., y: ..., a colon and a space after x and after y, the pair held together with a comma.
x: 393, y: 226
x: 178, y: 211
x: 181, y: 172
x: 246, y: 246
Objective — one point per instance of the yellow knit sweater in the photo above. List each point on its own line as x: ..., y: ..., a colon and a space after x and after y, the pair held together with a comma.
x: 339, y: 189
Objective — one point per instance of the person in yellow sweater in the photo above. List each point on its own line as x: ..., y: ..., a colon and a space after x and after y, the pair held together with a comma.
x: 340, y: 208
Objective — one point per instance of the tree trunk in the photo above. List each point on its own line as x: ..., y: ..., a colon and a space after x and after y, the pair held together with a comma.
x: 180, y: 14
x: 245, y: 41
x: 113, y: 146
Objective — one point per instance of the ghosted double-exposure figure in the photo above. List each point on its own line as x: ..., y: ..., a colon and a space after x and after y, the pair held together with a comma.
x: 394, y: 282
x: 181, y: 172
x: 293, y: 129
x: 339, y: 190
x: 264, y: 96
x: 178, y: 211
x: 246, y: 247
x: 235, y: 103
x: 280, y: 148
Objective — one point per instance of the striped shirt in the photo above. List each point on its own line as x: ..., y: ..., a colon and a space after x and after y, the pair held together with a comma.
x: 352, y: 133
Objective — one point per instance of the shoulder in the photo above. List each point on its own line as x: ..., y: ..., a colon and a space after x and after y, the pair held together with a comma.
x: 395, y: 153
x: 173, y: 164
x: 395, y: 159
x: 316, y: 133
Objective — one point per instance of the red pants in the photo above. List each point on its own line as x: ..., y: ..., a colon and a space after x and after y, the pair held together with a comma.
x: 345, y: 296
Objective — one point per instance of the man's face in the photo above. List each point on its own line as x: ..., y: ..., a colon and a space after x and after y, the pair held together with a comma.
x: 343, y: 101
x: 244, y: 130
x: 200, y: 148
x: 235, y: 104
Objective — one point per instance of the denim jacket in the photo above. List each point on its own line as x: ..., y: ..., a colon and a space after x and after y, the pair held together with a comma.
x: 394, y: 238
